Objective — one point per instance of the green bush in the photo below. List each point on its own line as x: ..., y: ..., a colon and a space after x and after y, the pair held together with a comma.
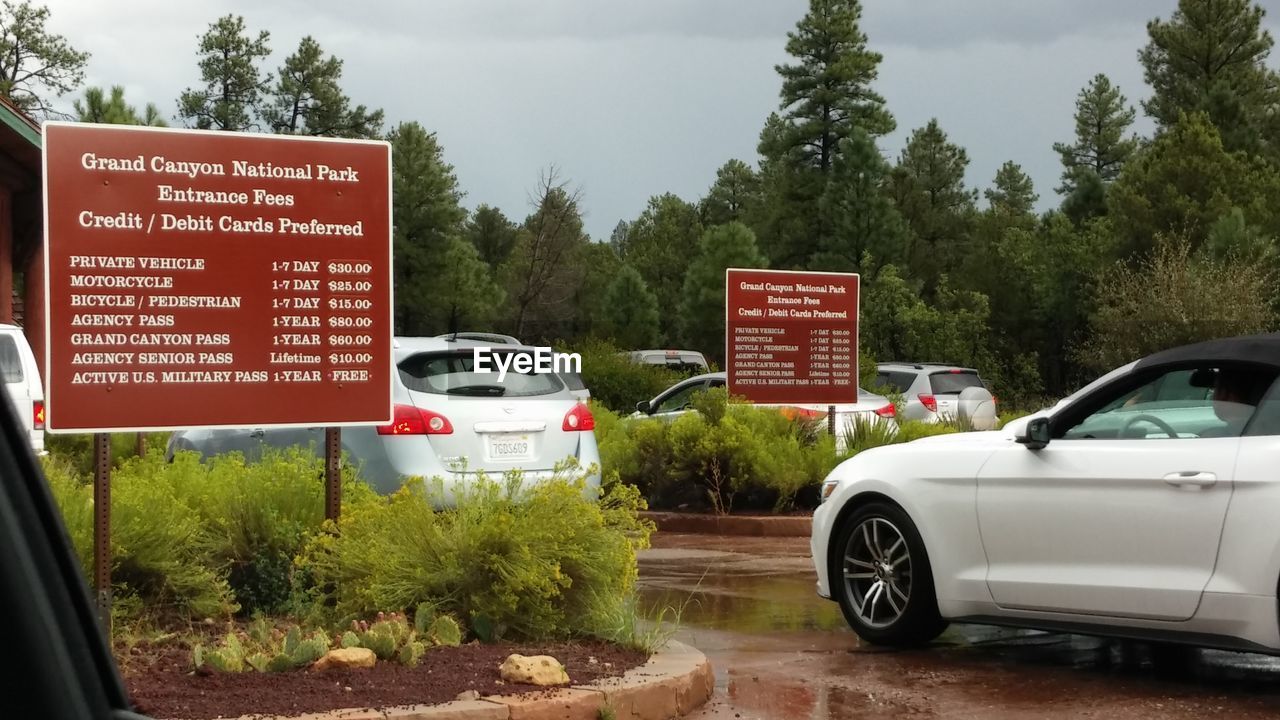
x: 202, y: 539
x: 618, y: 383
x: 722, y: 455
x: 77, y: 450
x: 537, y: 563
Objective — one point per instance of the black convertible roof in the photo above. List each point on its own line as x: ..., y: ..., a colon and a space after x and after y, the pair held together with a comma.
x: 1253, y: 349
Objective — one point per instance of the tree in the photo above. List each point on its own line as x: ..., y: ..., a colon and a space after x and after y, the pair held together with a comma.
x: 618, y: 238
x: 828, y: 92
x: 541, y: 279
x: 735, y: 193
x: 866, y: 230
x: 462, y: 291
x: 492, y: 234
x: 1210, y: 57
x: 233, y: 83
x: 98, y: 107
x: 1184, y: 182
x: 928, y: 186
x: 660, y: 241
x: 629, y: 315
x: 1012, y: 193
x: 1103, y: 143
x: 427, y: 213
x: 308, y: 100
x: 35, y: 65
x: 1172, y: 298
x: 702, y: 302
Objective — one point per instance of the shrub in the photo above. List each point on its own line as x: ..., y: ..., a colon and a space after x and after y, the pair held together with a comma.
x: 202, y: 539
x: 535, y: 563
x: 724, y: 453
x: 77, y: 450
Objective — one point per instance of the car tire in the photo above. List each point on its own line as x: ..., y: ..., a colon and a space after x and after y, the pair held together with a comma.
x: 881, y: 576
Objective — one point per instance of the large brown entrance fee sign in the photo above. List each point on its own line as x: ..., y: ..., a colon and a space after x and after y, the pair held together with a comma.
x: 206, y: 279
x: 791, y: 337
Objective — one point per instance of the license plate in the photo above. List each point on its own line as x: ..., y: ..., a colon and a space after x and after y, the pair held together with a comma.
x: 510, y: 447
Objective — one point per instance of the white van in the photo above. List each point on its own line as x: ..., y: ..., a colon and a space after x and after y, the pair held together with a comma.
x: 22, y: 382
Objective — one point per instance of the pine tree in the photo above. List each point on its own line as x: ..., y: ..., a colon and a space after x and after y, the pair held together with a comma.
x: 308, y: 100
x: 35, y: 64
x: 735, y: 193
x: 1210, y: 56
x: 866, y: 230
x: 928, y: 187
x: 1102, y: 146
x: 659, y: 241
x: 98, y: 107
x: 702, y: 302
x: 492, y: 234
x: 233, y: 83
x: 828, y: 92
x: 629, y: 314
x: 1013, y: 193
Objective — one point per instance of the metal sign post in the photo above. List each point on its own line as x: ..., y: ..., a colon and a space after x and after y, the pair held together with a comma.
x: 102, y: 528
x: 332, y: 473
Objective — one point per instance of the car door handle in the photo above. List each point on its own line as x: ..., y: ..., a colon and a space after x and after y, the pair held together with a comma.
x: 1191, y: 478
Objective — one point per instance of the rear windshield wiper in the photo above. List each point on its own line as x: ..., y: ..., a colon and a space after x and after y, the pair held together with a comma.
x: 478, y: 390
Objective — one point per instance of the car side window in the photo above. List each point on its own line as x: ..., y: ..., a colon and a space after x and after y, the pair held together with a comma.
x: 679, y: 399
x: 1184, y: 403
x: 1266, y: 421
x: 10, y: 360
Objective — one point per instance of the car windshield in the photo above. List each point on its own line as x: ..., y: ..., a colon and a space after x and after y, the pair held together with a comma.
x: 10, y: 360
x: 573, y: 381
x: 454, y: 374
x: 953, y: 382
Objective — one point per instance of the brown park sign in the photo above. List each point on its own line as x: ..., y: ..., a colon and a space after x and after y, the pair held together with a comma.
x: 792, y: 337
x: 210, y: 279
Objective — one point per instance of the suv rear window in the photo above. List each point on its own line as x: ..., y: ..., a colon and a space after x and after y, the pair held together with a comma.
x: 10, y: 360
x: 454, y: 374
x: 896, y: 380
x: 953, y: 383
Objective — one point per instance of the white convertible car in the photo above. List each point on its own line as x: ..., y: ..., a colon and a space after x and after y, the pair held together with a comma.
x: 1146, y: 506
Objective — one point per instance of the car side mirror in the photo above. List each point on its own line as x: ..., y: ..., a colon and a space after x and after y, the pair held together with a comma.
x: 643, y: 406
x: 1036, y: 434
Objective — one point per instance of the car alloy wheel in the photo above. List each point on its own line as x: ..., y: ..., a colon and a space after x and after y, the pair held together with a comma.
x: 877, y: 572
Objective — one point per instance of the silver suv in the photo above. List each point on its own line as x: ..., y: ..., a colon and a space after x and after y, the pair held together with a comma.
x: 450, y: 422
x: 933, y: 392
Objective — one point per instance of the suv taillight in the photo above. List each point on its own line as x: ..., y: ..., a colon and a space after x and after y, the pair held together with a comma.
x: 930, y: 402
x: 409, y: 420
x: 887, y: 412
x: 37, y: 414
x: 579, y: 419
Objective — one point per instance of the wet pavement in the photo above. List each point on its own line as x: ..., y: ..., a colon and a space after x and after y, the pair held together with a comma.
x: 782, y: 652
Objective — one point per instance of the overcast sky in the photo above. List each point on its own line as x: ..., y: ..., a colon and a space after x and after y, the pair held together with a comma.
x: 632, y: 98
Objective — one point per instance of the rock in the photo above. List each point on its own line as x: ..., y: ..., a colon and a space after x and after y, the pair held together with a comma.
x: 346, y: 658
x: 468, y: 695
x: 542, y: 670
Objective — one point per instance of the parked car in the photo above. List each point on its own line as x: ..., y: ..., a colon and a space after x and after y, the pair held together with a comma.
x: 67, y: 671
x: 675, y: 401
x: 22, y: 383
x: 932, y: 392
x: 1142, y: 506
x: 684, y: 361
x: 450, y: 422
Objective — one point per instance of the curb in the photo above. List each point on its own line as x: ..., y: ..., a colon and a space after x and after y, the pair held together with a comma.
x: 675, y: 681
x: 756, y: 526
